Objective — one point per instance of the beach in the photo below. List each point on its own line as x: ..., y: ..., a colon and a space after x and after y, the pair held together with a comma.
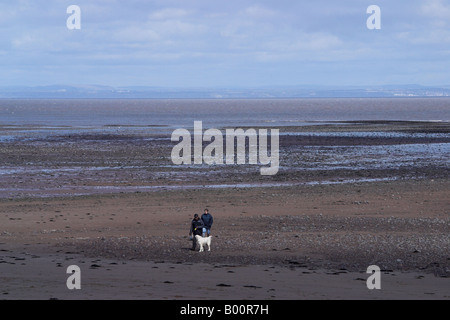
x: 311, y: 242
x: 348, y: 196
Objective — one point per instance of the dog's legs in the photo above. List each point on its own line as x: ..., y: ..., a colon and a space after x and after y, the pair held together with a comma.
x: 201, y: 247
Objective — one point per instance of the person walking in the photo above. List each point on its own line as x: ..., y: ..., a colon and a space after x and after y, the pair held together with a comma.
x: 196, y: 230
x: 208, y: 220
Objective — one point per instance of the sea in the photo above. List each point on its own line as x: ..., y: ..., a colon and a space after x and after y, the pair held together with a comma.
x: 180, y: 113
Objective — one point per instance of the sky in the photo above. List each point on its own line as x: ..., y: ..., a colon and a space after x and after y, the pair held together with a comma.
x: 232, y: 43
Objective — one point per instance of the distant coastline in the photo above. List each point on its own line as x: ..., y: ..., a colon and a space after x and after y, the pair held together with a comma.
x: 263, y: 92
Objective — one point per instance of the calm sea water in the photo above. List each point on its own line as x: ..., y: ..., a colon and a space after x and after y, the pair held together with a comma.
x: 216, y: 113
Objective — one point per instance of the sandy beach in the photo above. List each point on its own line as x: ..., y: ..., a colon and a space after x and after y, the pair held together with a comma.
x: 303, y: 234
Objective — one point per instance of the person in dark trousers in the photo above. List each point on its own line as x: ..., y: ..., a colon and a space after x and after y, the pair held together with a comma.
x: 196, y: 230
x: 208, y: 222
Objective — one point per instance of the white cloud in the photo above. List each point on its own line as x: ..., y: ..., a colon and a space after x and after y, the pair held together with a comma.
x: 259, y: 12
x: 430, y: 26
x: 169, y: 14
x: 136, y: 34
x: 34, y: 42
x: 436, y: 9
x: 159, y: 35
x: 427, y: 37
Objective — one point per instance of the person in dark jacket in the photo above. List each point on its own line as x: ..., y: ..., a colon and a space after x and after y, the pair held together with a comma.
x: 196, y: 230
x: 208, y: 222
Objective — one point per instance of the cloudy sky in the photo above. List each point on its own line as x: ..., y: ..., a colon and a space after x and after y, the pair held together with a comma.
x: 207, y: 43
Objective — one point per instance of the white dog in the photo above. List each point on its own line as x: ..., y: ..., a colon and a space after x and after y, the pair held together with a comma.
x: 203, y: 241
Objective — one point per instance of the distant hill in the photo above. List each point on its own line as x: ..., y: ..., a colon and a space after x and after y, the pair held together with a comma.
x: 107, y: 92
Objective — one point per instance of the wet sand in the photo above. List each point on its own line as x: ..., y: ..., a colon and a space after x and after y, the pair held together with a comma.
x: 281, y: 238
x: 104, y: 279
x: 137, y: 244
x: 89, y: 162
